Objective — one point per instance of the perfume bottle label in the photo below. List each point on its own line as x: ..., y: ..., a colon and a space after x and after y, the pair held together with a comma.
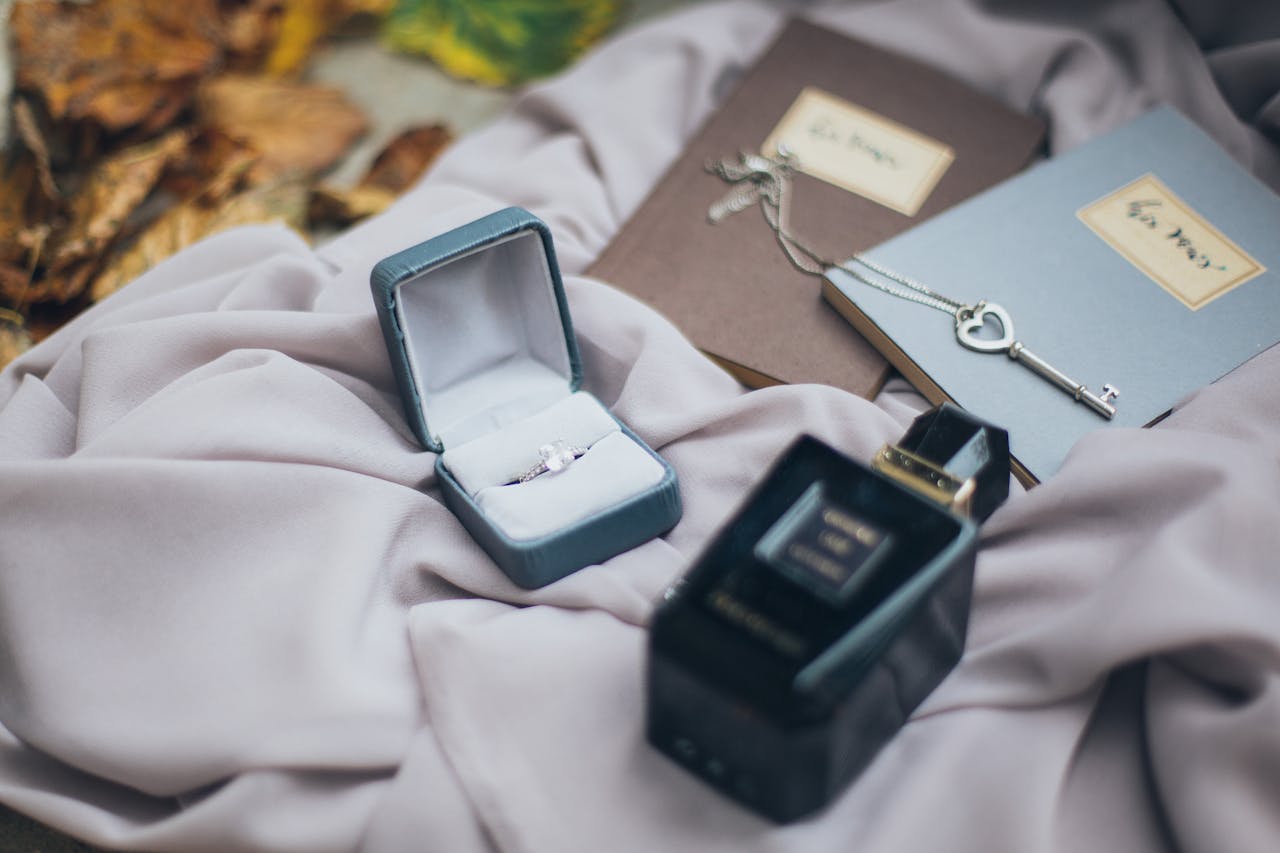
x: 824, y: 547
x: 1171, y: 243
x: 740, y: 613
x: 860, y: 151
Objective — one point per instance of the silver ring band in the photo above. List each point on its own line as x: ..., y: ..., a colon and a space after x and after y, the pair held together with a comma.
x: 555, y: 457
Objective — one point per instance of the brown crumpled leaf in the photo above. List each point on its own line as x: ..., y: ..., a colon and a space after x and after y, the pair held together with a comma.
x: 14, y: 283
x: 113, y: 191
x: 60, y: 285
x: 24, y: 119
x: 14, y: 339
x: 18, y: 180
x: 59, y: 259
x: 397, y: 167
x: 193, y: 220
x: 121, y: 64
x: 214, y: 167
x: 407, y: 157
x: 250, y: 29
x: 337, y: 206
x: 21, y: 245
x: 298, y: 128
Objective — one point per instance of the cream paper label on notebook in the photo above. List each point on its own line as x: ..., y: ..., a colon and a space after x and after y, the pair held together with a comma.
x: 1167, y: 240
x: 860, y: 151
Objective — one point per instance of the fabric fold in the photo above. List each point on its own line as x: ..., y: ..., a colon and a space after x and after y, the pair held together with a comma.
x: 235, y: 614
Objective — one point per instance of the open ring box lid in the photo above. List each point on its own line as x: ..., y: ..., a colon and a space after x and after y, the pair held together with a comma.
x: 482, y: 347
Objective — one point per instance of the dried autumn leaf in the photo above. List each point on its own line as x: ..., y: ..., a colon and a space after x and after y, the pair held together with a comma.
x: 24, y: 119
x: 162, y: 104
x: 14, y: 340
x: 299, y: 128
x: 344, y: 206
x: 284, y: 202
x: 177, y: 227
x: 16, y: 275
x: 191, y: 221
x: 500, y: 42
x: 400, y: 163
x: 120, y: 64
x: 94, y: 219
x: 250, y: 29
x: 113, y: 191
x: 61, y: 285
x: 214, y: 167
x: 406, y: 157
x: 14, y: 283
x: 18, y: 180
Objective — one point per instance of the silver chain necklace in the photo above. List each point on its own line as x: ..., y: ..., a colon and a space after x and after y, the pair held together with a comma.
x: 766, y: 181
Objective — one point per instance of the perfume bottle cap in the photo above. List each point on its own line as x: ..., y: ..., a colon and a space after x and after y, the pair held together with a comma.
x: 952, y: 457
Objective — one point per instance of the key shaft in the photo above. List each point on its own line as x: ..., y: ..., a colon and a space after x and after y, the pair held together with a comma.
x: 1019, y: 353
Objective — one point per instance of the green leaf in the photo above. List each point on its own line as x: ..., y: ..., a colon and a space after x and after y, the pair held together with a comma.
x: 500, y: 42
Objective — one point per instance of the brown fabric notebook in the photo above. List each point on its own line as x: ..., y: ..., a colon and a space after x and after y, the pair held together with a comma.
x: 729, y: 287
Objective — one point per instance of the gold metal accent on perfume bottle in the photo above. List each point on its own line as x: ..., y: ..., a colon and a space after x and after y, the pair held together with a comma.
x: 924, y: 478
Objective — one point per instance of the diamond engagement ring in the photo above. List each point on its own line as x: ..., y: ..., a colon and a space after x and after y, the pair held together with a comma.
x: 555, y: 456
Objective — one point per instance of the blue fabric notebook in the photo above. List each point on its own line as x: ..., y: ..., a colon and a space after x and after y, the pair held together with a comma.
x: 1147, y: 259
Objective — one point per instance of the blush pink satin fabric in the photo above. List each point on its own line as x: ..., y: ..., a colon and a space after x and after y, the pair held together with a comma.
x: 234, y: 613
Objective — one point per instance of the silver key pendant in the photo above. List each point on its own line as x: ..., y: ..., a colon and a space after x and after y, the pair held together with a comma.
x: 971, y: 318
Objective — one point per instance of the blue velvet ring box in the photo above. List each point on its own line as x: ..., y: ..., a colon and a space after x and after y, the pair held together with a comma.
x: 482, y: 347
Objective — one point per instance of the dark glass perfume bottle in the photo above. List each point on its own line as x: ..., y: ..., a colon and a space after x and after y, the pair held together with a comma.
x: 823, y: 613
